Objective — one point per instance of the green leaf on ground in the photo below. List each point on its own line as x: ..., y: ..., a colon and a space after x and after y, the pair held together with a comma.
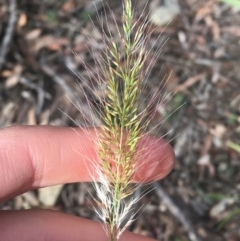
x: 51, y: 15
x: 234, y: 146
x: 233, y: 3
x: 229, y: 217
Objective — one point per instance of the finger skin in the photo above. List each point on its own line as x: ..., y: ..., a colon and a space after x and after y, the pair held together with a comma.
x: 32, y: 157
x: 39, y: 156
x: 33, y: 225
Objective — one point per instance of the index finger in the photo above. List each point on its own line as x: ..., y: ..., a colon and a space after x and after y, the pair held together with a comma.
x: 40, y: 156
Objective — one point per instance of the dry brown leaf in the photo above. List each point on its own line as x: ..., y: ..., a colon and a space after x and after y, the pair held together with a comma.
x: 216, y: 31
x: 190, y: 82
x: 204, y: 10
x: 205, y: 164
x: 54, y: 46
x: 33, y: 34
x: 31, y: 117
x: 6, y: 73
x: 22, y: 21
x: 50, y: 42
x: 68, y: 6
x: 214, y: 27
x: 15, y: 77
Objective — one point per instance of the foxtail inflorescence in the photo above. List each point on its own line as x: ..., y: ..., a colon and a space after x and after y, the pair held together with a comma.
x: 123, y: 68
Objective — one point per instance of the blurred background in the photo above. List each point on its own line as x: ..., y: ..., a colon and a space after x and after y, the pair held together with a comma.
x: 200, y: 57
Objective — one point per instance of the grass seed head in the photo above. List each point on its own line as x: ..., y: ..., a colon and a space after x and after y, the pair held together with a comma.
x: 122, y: 67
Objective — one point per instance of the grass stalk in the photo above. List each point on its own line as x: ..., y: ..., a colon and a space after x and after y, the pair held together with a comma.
x: 123, y: 127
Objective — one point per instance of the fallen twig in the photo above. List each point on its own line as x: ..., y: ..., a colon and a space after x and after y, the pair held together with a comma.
x: 40, y: 93
x: 190, y: 82
x: 58, y: 79
x: 173, y: 208
x: 9, y: 32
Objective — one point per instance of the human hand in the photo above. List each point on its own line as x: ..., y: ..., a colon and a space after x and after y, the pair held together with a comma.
x: 39, y: 156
